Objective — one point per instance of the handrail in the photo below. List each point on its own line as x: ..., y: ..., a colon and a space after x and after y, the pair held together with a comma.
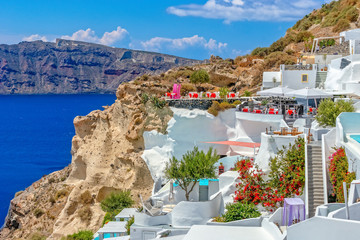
x: 306, y: 178
x: 324, y: 169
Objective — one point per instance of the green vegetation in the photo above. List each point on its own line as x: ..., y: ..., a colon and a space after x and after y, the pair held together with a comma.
x: 260, y: 51
x: 193, y: 166
x: 331, y: 14
x: 129, y: 223
x: 117, y: 201
x: 81, y: 235
x: 158, y: 103
x: 114, y: 203
x: 217, y: 107
x: 110, y: 216
x: 286, y: 178
x: 200, y: 76
x: 238, y: 211
x: 223, y: 92
x: 327, y: 43
x: 247, y: 93
x: 328, y: 111
x: 144, y: 98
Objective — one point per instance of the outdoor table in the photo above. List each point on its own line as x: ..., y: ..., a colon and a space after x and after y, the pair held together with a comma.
x: 294, y: 210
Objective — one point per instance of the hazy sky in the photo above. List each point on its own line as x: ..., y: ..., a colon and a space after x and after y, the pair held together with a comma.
x: 186, y: 28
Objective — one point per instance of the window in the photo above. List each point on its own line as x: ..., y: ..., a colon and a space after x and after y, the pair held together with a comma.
x: 304, y: 78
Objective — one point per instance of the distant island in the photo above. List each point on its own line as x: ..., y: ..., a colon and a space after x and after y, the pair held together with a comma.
x: 73, y: 67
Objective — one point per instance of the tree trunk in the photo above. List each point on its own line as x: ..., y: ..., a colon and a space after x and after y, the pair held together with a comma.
x: 187, y: 196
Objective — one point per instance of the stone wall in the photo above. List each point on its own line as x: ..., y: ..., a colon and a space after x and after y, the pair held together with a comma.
x: 205, y: 104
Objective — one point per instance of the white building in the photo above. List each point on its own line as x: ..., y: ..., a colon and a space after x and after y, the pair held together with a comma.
x: 125, y: 214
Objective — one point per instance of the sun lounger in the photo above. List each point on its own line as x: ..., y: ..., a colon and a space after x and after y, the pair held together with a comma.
x: 151, y: 210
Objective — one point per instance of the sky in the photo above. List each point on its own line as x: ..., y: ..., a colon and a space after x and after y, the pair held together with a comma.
x: 186, y: 28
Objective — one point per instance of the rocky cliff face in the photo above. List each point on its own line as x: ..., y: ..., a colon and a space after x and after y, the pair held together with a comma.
x: 106, y: 155
x: 68, y: 67
x: 106, y: 152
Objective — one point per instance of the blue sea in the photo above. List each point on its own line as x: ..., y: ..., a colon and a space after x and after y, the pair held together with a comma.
x: 35, y: 137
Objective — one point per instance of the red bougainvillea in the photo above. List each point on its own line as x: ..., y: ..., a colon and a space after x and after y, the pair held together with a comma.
x: 286, y: 178
x: 338, y: 171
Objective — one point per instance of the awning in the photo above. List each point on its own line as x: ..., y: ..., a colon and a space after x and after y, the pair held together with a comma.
x: 235, y: 143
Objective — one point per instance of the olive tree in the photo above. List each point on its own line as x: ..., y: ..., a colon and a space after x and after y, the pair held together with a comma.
x: 328, y: 111
x: 193, y: 166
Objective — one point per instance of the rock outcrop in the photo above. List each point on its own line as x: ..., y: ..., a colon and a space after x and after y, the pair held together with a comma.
x: 106, y: 157
x: 72, y: 67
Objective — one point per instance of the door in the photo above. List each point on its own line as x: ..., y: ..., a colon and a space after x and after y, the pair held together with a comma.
x: 203, y: 193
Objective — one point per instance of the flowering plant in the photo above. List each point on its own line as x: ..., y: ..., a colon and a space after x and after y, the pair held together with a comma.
x: 286, y: 178
x: 338, y: 171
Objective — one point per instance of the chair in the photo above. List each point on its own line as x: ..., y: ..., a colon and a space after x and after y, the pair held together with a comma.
x: 245, y: 110
x: 284, y: 131
x: 213, y: 95
x: 195, y: 95
x: 151, y: 210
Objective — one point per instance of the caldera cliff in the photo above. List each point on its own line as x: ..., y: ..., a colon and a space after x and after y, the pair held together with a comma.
x: 73, y: 67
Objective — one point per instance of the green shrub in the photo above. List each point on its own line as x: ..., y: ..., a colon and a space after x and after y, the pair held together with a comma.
x: 144, y: 98
x: 328, y: 111
x: 303, y: 36
x: 129, y: 223
x: 226, y: 105
x: 81, y: 235
x: 342, y: 25
x: 237, y: 102
x: 238, y: 211
x: 110, y: 216
x: 223, y: 92
x: 158, y: 103
x: 247, y: 93
x: 260, y: 51
x: 38, y: 212
x: 200, y: 76
x: 278, y: 46
x: 215, y: 108
x: 117, y: 201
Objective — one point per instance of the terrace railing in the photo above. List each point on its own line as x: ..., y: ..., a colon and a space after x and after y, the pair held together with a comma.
x: 307, y: 67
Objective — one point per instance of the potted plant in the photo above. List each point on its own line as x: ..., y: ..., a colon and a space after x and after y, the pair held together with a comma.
x: 221, y: 168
